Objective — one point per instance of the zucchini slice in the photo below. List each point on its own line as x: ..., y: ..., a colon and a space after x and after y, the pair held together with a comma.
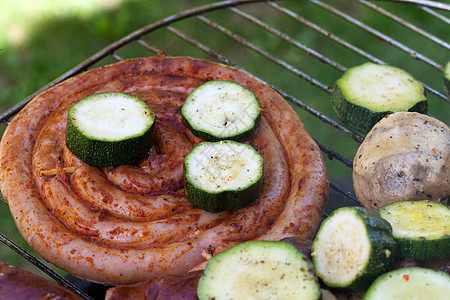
x: 223, y: 175
x: 368, y: 92
x: 421, y: 228
x: 110, y: 129
x: 220, y: 110
x: 259, y: 270
x: 447, y: 79
x: 410, y: 283
x: 352, y: 247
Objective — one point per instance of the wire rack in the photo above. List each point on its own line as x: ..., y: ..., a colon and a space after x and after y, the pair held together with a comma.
x: 299, y: 48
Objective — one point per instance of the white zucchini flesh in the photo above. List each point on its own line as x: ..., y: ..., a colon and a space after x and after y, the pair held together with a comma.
x: 222, y: 108
x: 410, y: 283
x: 111, y: 116
x: 344, y: 251
x: 223, y: 166
x: 259, y: 270
x: 418, y: 219
x: 381, y: 88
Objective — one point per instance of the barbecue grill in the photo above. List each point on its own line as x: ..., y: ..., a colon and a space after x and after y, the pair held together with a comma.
x: 290, y: 46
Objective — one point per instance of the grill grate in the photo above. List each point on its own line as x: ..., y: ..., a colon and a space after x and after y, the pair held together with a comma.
x: 290, y: 46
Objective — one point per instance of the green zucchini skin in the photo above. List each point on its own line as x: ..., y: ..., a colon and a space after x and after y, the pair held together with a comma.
x: 246, y: 135
x: 361, y: 118
x: 446, y: 77
x: 410, y: 283
x: 103, y: 152
x: 434, y: 243
x: 215, y: 130
x: 259, y: 270
x: 380, y: 234
x: 422, y: 249
x: 383, y: 249
x: 225, y: 198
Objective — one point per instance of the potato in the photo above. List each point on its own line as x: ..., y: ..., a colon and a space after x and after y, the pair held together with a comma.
x: 404, y: 157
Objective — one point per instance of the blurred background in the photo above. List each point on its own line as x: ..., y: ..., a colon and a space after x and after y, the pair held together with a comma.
x: 42, y: 39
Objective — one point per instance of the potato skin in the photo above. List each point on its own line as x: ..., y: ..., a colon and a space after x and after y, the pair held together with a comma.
x: 406, y: 156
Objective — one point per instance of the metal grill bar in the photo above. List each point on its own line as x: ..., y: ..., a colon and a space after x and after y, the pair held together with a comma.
x: 289, y: 39
x: 427, y: 3
x: 267, y: 55
x: 388, y: 40
x: 300, y: 104
x: 407, y: 25
x: 3, y: 200
x: 322, y: 117
x: 436, y: 14
x: 325, y: 33
x: 61, y: 280
x: 377, y: 33
x: 113, y: 51
x: 109, y: 50
x: 40, y: 265
x: 148, y: 46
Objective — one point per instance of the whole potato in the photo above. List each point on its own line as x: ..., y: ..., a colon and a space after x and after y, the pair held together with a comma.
x: 404, y: 157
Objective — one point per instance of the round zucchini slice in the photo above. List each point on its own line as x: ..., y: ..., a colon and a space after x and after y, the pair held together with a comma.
x: 223, y: 175
x: 364, y: 94
x: 110, y: 129
x: 259, y: 270
x: 352, y: 247
x: 447, y: 79
x: 410, y: 283
x: 220, y: 110
x: 421, y: 228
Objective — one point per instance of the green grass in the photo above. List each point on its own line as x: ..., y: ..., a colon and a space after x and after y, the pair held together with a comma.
x: 45, y: 38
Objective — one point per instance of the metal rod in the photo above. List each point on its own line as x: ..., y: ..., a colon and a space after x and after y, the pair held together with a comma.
x: 288, y: 97
x: 61, y: 280
x: 322, y: 117
x: 378, y: 34
x: 436, y: 15
x: 203, y: 47
x: 267, y: 55
x: 389, y: 41
x: 3, y: 199
x: 120, y: 43
x: 344, y: 193
x: 197, y: 12
x: 148, y: 46
x: 406, y: 24
x: 116, y: 56
x: 325, y: 33
x: 285, y: 37
x: 335, y: 155
x: 426, y: 3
